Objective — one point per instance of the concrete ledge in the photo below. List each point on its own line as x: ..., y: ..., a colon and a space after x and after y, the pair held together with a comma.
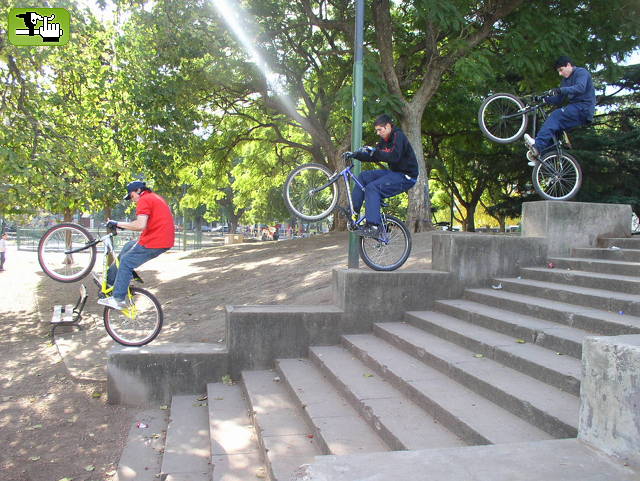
x: 151, y: 375
x: 476, y: 258
x: 257, y: 335
x: 574, y: 224
x: 368, y: 297
x: 610, y: 395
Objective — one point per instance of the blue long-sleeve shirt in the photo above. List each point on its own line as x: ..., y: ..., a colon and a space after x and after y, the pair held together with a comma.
x: 578, y: 88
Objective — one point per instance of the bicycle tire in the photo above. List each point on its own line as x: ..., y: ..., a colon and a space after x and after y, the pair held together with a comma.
x: 137, y: 325
x: 387, y: 256
x: 557, y: 177
x: 492, y: 122
x: 63, y: 267
x: 300, y: 199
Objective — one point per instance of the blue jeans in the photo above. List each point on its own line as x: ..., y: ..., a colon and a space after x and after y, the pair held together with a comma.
x: 560, y: 119
x: 133, y: 255
x: 379, y: 184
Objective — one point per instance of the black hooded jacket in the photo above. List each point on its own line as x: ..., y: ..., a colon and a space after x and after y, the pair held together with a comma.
x: 397, y: 152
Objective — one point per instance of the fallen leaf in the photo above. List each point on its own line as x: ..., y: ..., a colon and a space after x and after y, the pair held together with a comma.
x: 521, y: 341
x: 96, y: 395
x: 368, y: 375
x: 204, y: 397
x: 89, y: 468
x: 34, y: 458
x: 164, y: 408
x: 478, y: 355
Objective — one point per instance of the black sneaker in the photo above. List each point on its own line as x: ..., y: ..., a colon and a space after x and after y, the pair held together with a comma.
x: 369, y: 230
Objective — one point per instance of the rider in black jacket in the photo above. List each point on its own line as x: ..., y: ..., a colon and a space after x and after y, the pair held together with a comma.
x: 394, y: 149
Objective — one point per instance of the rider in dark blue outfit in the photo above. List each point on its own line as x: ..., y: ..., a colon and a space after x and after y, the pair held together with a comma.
x: 577, y: 87
x: 395, y: 150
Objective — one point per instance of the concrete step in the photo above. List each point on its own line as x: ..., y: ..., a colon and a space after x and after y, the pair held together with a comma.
x: 597, y: 265
x: 563, y: 372
x: 235, y: 451
x: 593, y: 320
x: 544, y: 406
x: 337, y: 426
x: 285, y: 439
x: 455, y: 404
x: 187, y: 454
x: 559, y: 338
x: 141, y: 456
x: 584, y: 296
x: 619, y: 254
x: 593, y: 280
x: 399, y: 422
x: 623, y: 242
x: 557, y: 460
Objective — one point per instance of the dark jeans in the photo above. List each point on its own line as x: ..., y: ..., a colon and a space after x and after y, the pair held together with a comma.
x: 132, y: 255
x: 379, y: 184
x: 2, y: 260
x: 560, y: 119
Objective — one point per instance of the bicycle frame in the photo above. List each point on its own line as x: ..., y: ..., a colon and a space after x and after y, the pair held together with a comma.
x: 534, y: 111
x: 346, y: 174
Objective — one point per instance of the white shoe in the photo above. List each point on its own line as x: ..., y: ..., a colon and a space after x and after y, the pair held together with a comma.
x: 113, y: 303
x: 533, y: 160
x: 530, y: 142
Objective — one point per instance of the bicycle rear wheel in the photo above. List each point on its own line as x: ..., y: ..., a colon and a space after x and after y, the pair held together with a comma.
x: 139, y: 324
x: 557, y: 177
x: 66, y: 252
x: 390, y: 253
x: 499, y: 118
x: 304, y: 195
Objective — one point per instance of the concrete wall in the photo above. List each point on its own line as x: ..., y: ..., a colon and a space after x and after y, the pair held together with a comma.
x: 610, y: 396
x: 574, y: 224
x: 472, y: 259
x: 257, y: 335
x: 367, y: 296
x: 150, y: 375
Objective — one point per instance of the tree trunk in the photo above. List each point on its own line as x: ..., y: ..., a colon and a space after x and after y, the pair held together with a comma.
x: 419, y: 211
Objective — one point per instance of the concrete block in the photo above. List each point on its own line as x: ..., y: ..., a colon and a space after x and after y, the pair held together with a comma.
x: 151, y: 375
x: 233, y: 239
x: 368, y: 296
x: 257, y: 335
x: 574, y: 224
x: 610, y: 396
x: 474, y: 258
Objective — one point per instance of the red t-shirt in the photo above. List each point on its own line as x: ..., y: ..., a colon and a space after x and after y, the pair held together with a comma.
x: 160, y: 231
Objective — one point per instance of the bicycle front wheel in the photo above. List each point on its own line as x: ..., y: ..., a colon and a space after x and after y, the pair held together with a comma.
x: 137, y: 325
x: 66, y: 252
x: 308, y: 194
x: 389, y: 253
x: 501, y: 119
x: 557, y: 177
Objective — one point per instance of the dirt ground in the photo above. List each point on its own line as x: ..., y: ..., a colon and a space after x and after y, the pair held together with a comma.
x: 55, y: 422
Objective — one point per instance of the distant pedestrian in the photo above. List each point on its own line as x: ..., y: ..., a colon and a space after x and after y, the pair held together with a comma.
x: 3, y: 250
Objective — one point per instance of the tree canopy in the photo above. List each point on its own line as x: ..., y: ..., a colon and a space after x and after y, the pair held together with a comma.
x: 215, y: 109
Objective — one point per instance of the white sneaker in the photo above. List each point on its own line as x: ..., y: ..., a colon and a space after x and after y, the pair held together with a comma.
x: 530, y: 142
x: 533, y: 160
x: 113, y: 303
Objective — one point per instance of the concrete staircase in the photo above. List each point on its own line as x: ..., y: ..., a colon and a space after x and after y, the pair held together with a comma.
x: 499, y: 366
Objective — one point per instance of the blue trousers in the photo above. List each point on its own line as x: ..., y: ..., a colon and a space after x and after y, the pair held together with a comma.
x: 560, y: 119
x: 132, y: 255
x: 379, y: 184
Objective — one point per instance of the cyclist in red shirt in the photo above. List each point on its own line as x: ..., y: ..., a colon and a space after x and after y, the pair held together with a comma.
x: 155, y: 221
